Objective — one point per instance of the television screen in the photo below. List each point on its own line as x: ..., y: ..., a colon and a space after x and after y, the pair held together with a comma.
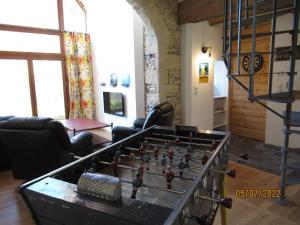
x: 113, y: 103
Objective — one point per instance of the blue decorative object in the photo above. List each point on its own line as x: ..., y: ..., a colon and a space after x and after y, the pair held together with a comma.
x: 126, y: 80
x: 113, y: 80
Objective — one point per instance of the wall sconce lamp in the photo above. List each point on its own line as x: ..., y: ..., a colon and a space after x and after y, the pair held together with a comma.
x: 205, y: 50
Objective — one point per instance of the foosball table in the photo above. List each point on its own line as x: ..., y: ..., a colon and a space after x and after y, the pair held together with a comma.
x: 161, y: 175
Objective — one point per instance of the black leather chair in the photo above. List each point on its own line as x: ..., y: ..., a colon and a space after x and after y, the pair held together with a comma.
x: 36, y: 146
x: 162, y: 114
x: 4, y: 158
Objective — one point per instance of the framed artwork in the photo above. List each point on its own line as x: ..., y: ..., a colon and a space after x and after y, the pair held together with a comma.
x: 203, y: 72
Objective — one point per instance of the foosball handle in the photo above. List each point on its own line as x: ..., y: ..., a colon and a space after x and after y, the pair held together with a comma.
x: 244, y: 156
x: 231, y: 173
x: 202, y: 220
x: 226, y: 202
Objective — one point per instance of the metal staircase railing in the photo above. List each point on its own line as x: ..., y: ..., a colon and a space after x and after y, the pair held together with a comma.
x: 290, y: 118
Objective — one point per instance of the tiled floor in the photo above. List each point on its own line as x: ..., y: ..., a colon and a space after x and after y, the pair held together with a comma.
x: 264, y: 158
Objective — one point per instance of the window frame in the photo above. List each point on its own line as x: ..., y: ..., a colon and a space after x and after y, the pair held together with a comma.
x: 30, y: 56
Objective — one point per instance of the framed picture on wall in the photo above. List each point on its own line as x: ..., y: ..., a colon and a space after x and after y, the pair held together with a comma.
x: 203, y: 72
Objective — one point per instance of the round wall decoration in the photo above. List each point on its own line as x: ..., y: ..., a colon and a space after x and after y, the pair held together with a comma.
x: 258, y: 63
x: 113, y: 80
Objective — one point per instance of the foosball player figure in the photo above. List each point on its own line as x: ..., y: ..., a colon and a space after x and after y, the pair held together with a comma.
x: 141, y: 171
x: 166, y: 146
x: 214, y: 144
x: 170, y: 176
x: 114, y: 165
x: 142, y: 152
x: 118, y: 155
x: 132, y: 156
x: 147, y: 159
x: 146, y: 144
x: 191, y: 137
x: 170, y: 154
x: 136, y: 184
x: 164, y: 163
x: 155, y: 150
x: 177, y: 141
x: 204, y: 158
x: 187, y: 158
x: 189, y: 149
x: 181, y: 166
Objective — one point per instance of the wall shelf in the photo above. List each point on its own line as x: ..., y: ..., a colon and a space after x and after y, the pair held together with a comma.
x: 220, y: 113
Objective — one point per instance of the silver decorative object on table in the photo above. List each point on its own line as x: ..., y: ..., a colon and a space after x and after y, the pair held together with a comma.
x: 100, y: 186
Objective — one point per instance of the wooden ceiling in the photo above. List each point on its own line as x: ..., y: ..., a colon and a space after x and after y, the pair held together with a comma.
x: 192, y: 11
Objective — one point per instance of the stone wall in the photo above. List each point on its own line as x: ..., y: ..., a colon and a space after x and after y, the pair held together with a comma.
x: 162, y: 52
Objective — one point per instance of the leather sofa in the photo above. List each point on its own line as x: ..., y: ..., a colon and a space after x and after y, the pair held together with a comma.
x: 4, y: 158
x: 161, y: 114
x: 36, y: 145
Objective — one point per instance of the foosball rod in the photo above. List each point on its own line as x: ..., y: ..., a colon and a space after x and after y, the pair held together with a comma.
x: 177, y: 148
x: 182, y: 142
x: 193, y: 138
x: 156, y: 162
x: 149, y: 172
x: 136, y: 150
x: 156, y: 188
x: 244, y: 156
x: 226, y: 202
x: 151, y: 151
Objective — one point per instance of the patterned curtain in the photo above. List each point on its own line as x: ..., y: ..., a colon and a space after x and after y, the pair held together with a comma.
x: 80, y: 74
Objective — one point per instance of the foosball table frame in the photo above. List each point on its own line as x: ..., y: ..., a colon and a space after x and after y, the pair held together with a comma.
x: 53, y: 200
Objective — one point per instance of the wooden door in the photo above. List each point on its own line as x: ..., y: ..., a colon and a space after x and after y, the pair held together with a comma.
x: 249, y: 119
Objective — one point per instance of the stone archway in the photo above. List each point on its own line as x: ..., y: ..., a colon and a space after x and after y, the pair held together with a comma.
x: 162, y: 52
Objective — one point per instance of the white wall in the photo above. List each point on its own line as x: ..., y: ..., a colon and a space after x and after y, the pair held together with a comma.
x: 198, y: 98
x: 138, y: 27
x: 274, y: 124
x: 116, y: 36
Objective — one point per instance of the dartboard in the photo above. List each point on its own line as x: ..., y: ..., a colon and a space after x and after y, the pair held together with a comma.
x: 258, y: 63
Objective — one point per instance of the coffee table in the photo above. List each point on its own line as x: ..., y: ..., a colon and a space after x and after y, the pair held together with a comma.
x: 83, y: 124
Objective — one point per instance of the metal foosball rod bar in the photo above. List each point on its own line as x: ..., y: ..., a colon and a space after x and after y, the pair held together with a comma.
x: 182, y: 142
x: 173, y: 147
x: 148, y: 172
x: 230, y: 173
x: 244, y: 156
x: 176, y: 147
x: 157, y: 162
x: 137, y: 150
x: 186, y: 137
x: 157, y: 188
x: 226, y: 202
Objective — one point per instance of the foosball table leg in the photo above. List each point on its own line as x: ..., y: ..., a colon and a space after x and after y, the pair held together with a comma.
x: 223, y: 192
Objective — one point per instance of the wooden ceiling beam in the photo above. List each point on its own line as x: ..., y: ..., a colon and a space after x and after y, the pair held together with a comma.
x: 192, y: 11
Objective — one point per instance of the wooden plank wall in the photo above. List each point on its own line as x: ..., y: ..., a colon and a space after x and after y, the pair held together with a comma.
x: 249, y: 119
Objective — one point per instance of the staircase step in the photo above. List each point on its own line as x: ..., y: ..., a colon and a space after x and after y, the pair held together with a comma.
x: 281, y: 97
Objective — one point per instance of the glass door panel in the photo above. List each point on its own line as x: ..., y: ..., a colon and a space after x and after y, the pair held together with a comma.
x: 14, y: 88
x: 49, y: 88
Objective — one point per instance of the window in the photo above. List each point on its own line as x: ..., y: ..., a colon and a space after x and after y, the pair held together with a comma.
x: 32, y: 13
x: 49, y: 88
x: 14, y: 88
x: 27, y: 42
x: 31, y: 73
x: 74, y: 17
